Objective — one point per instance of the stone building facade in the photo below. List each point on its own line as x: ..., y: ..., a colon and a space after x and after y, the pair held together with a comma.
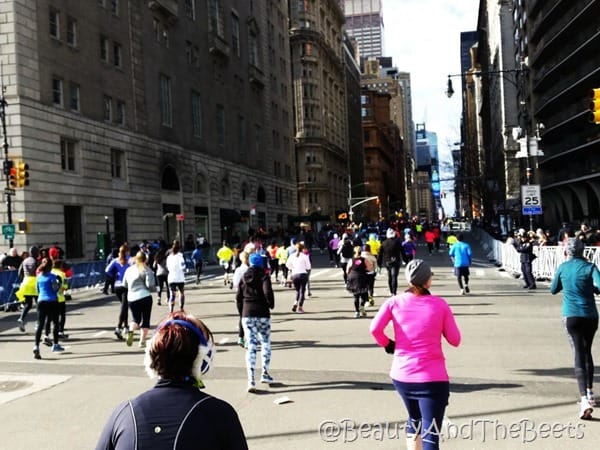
x: 318, y: 77
x: 153, y: 119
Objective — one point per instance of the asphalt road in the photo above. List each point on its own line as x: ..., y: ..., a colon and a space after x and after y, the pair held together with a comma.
x: 512, y: 383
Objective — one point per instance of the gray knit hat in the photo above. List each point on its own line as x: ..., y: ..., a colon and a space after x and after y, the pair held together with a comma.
x: 418, y: 272
x: 575, y: 247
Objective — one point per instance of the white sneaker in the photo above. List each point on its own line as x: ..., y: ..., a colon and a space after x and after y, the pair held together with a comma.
x: 585, y: 410
x: 591, y: 398
x: 462, y: 292
x: 251, y: 387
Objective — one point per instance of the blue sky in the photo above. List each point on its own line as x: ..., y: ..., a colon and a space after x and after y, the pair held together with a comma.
x: 423, y: 38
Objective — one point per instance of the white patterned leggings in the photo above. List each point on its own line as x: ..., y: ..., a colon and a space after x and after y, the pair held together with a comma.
x: 255, y: 327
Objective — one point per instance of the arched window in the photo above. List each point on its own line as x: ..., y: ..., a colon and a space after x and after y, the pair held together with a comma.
x: 224, y: 187
x: 260, y: 195
x: 244, y: 191
x: 170, y: 180
x: 200, y: 184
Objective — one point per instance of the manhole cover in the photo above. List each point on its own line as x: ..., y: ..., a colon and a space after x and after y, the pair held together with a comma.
x: 14, y: 385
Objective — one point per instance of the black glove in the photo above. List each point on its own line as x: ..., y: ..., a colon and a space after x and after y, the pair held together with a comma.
x: 390, y: 347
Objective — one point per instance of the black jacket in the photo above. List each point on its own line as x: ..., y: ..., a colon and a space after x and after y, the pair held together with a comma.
x: 179, y: 410
x: 255, y: 294
x: 391, y: 252
x: 525, y: 249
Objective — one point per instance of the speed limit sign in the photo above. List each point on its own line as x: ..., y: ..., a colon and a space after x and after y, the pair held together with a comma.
x: 531, y: 199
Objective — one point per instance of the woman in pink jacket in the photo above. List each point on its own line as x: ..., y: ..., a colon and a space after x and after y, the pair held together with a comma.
x: 418, y: 369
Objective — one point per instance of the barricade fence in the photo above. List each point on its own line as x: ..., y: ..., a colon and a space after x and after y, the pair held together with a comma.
x: 86, y: 275
x: 543, y: 267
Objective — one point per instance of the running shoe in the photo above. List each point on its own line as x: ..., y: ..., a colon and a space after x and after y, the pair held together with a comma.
x: 251, y: 387
x: 294, y: 307
x: 300, y: 310
x: 591, y: 398
x: 362, y: 311
x: 129, y: 338
x: 371, y: 301
x: 266, y: 378
x: 241, y: 342
x: 21, y: 325
x: 585, y: 409
x: 47, y: 341
x: 357, y: 315
x: 58, y: 348
x: 467, y: 290
x: 36, y: 352
x: 118, y: 334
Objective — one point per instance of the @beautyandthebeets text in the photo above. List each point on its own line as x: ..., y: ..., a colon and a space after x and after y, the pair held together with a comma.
x: 524, y: 430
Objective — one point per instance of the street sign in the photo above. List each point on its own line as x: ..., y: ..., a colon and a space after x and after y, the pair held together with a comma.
x: 531, y: 199
x: 9, y: 191
x: 8, y: 230
x: 179, y: 217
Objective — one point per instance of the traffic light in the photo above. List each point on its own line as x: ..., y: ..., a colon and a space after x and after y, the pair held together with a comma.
x: 22, y: 174
x: 595, y: 106
x: 13, y: 180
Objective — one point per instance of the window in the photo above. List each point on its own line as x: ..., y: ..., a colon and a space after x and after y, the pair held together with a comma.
x: 220, y: 122
x: 57, y: 91
x: 54, y: 22
x: 235, y: 34
x: 102, y: 3
x: 213, y: 17
x: 107, y: 108
x: 165, y: 101
x: 196, y: 115
x: 74, y: 100
x: 67, y: 155
x: 114, y: 7
x: 156, y: 28
x: 116, y: 163
x: 121, y: 113
x: 253, y: 49
x: 190, y: 9
x: 117, y: 52
x: 104, y: 49
x: 71, y: 32
x: 241, y: 134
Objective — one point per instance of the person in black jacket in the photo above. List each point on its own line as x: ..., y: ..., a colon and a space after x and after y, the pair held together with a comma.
x: 524, y: 246
x: 175, y: 413
x: 391, y: 255
x: 254, y: 300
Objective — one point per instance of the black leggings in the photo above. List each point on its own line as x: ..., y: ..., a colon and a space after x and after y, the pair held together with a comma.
x: 62, y: 318
x: 121, y: 294
x: 47, y: 311
x: 29, y: 299
x: 360, y: 299
x: 581, y: 332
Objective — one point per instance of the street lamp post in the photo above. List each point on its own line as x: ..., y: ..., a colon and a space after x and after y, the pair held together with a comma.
x: 350, y: 199
x: 528, y: 148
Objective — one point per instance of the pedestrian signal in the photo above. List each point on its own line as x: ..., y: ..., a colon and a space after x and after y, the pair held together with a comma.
x: 595, y: 106
x: 22, y: 174
x: 342, y: 216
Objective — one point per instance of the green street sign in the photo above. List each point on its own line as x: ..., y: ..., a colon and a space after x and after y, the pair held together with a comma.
x: 8, y: 230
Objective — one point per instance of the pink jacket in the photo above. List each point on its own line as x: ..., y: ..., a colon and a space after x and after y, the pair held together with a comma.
x: 419, y: 323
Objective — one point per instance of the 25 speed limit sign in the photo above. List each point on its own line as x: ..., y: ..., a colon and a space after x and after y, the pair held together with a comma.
x: 531, y: 199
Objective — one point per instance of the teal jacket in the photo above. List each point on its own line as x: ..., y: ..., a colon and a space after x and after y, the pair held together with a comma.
x: 579, y: 280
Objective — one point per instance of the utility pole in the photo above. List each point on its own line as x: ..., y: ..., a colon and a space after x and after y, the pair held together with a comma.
x: 8, y: 192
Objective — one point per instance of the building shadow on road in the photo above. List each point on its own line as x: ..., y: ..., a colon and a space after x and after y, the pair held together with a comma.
x: 562, y: 372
